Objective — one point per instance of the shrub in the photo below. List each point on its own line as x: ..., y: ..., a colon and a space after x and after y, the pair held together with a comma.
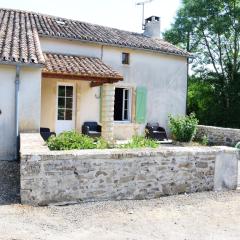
x: 183, y: 128
x: 204, y: 141
x: 140, y: 142
x: 73, y: 140
x: 238, y: 145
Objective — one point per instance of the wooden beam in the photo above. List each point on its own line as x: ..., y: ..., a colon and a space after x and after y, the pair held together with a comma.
x: 96, y: 84
x: 80, y: 77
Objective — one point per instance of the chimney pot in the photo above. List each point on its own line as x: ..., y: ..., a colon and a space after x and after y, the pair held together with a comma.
x: 152, y: 27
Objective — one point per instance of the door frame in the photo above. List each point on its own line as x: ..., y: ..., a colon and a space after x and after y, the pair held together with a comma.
x: 74, y: 103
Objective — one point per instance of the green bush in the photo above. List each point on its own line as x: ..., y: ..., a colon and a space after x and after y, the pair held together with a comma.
x: 204, y: 141
x: 183, y: 128
x: 140, y: 142
x: 238, y: 145
x: 73, y: 140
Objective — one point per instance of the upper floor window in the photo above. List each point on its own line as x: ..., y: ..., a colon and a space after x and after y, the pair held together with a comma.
x: 125, y: 58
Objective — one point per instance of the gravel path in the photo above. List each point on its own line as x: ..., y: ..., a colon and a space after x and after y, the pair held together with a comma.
x: 9, y: 182
x: 209, y: 215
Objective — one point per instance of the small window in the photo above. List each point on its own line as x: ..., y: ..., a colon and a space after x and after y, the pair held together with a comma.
x: 125, y: 58
x: 122, y: 104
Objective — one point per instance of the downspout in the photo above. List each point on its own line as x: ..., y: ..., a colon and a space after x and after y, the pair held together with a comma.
x: 189, y: 61
x: 102, y: 52
x: 17, y: 83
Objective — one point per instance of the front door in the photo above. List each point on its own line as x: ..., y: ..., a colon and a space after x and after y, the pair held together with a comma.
x: 65, y: 108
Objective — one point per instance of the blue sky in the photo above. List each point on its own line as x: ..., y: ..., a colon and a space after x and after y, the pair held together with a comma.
x: 123, y: 14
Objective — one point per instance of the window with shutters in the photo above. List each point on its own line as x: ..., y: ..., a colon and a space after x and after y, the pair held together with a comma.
x: 122, y: 106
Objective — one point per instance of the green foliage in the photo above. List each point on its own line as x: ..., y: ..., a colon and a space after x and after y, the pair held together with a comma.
x: 204, y: 141
x: 183, y: 128
x: 202, y: 101
x: 211, y: 31
x: 238, y: 145
x: 73, y: 140
x: 140, y: 142
x: 102, y: 144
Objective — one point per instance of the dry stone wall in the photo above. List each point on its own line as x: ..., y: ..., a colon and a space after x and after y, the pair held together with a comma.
x: 218, y: 135
x: 92, y: 175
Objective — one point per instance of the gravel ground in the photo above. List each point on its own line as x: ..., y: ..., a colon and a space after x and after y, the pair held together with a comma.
x: 9, y: 182
x: 209, y: 215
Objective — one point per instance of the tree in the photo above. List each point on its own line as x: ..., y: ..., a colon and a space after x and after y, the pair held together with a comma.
x: 211, y: 30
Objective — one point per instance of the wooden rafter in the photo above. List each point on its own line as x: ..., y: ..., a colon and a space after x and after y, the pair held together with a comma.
x: 95, y: 80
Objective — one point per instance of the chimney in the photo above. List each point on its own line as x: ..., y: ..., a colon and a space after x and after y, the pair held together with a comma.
x: 152, y: 27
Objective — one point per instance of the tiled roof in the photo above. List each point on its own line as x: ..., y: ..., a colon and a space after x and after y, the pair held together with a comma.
x: 90, y: 67
x: 20, y: 31
x: 50, y: 26
x: 19, y: 40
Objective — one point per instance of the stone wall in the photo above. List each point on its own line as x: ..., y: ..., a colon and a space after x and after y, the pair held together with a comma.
x: 218, y: 135
x: 92, y: 175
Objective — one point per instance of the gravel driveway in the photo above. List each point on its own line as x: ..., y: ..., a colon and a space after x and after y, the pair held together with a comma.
x: 208, y: 215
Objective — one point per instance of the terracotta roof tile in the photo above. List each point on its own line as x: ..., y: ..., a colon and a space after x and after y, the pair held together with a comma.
x: 50, y: 26
x: 19, y: 40
x: 20, y: 31
x: 79, y: 66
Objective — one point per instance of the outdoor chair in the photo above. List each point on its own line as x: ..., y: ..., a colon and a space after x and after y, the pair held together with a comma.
x: 154, y: 131
x: 46, y: 133
x: 92, y: 129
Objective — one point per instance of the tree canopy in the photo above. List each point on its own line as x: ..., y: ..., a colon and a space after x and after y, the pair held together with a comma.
x: 211, y: 31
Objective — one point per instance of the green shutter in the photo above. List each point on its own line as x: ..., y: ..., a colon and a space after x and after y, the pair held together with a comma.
x: 141, y: 104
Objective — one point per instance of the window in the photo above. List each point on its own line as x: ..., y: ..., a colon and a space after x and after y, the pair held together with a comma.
x: 65, y: 102
x: 125, y: 58
x: 122, y: 104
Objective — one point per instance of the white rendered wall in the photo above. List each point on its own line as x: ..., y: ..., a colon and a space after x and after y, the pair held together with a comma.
x: 86, y: 107
x: 165, y: 76
x: 29, y: 106
x: 30, y: 99
x: 7, y: 117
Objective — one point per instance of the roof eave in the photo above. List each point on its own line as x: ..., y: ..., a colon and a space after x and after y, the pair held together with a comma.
x: 81, y: 77
x: 12, y: 63
x: 114, y: 45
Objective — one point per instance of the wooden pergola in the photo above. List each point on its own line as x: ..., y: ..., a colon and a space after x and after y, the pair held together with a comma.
x: 79, y: 68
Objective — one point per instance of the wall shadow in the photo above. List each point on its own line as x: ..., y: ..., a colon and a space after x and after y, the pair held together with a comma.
x: 9, y: 182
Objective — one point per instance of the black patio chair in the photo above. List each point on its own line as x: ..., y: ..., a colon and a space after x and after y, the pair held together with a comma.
x: 154, y: 131
x: 92, y: 129
x: 46, y: 133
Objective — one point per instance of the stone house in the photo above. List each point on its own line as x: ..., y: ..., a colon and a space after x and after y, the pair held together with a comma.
x: 59, y: 73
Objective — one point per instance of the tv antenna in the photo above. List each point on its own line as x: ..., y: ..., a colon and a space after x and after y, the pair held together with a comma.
x: 143, y: 9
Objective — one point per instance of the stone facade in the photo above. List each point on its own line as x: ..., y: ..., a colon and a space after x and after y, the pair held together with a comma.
x: 218, y: 135
x: 91, y: 175
x: 108, y: 95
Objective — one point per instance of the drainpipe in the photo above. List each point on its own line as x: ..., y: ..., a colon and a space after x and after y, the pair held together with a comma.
x: 189, y: 61
x: 17, y: 83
